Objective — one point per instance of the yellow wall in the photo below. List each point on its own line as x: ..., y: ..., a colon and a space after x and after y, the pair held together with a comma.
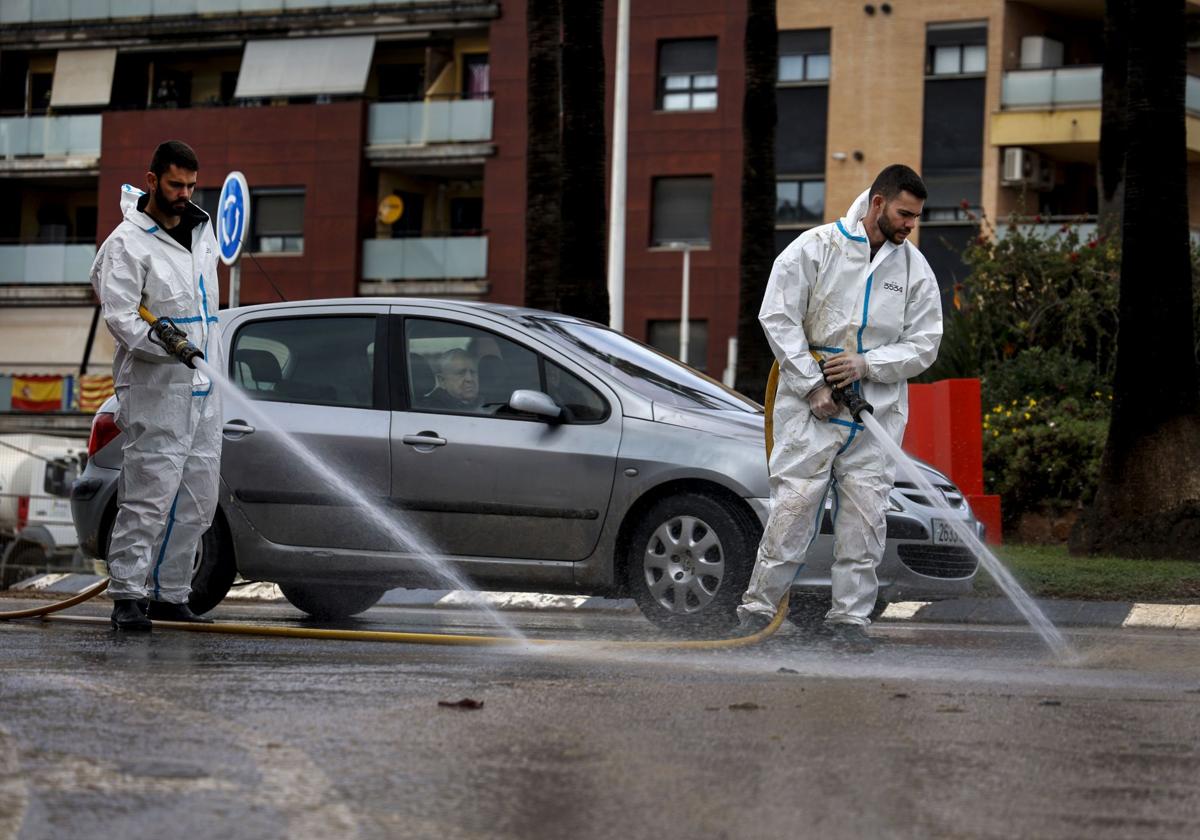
x: 877, y: 85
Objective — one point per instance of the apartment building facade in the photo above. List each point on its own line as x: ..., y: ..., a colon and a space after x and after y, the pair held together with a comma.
x: 385, y: 142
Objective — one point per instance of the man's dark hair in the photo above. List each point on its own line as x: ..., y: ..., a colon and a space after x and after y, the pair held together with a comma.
x: 174, y: 153
x: 898, y: 178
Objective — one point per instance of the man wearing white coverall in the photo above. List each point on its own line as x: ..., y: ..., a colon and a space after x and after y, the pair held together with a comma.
x: 162, y: 256
x: 861, y: 296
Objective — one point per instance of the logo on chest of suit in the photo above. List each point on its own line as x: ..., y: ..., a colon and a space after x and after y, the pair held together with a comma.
x: 892, y: 287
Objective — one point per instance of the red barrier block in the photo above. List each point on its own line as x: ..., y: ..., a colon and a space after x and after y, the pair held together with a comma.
x: 945, y: 429
x: 987, y: 511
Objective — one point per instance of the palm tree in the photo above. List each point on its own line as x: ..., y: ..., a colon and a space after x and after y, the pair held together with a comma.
x: 1148, y: 501
x: 543, y: 154
x: 758, y: 194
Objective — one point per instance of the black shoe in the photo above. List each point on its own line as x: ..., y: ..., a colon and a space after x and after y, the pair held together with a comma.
x: 126, y: 615
x: 162, y: 611
x: 851, y: 638
x: 753, y: 622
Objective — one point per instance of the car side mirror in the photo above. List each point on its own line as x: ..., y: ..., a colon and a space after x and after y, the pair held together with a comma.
x: 536, y: 403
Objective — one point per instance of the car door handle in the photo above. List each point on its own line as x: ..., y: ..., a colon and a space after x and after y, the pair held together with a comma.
x: 237, y: 427
x: 423, y: 440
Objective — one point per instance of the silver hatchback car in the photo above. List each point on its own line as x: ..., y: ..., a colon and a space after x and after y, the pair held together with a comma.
x: 578, y: 460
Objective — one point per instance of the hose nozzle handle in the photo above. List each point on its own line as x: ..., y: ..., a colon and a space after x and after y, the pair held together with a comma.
x: 166, y: 334
x: 848, y: 397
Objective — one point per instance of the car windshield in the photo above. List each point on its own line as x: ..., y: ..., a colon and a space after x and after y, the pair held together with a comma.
x: 650, y: 373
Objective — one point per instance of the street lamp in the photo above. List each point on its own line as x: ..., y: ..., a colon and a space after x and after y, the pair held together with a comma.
x: 685, y: 297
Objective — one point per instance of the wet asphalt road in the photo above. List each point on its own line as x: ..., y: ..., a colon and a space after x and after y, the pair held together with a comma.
x: 943, y: 732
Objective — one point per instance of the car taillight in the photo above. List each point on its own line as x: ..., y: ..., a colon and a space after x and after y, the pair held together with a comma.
x: 22, y: 512
x: 104, y: 429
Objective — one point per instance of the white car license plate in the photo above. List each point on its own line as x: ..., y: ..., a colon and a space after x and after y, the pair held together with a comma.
x: 943, y: 534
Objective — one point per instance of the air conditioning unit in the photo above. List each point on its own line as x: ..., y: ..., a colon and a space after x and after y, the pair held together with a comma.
x: 1040, y: 53
x: 1023, y: 168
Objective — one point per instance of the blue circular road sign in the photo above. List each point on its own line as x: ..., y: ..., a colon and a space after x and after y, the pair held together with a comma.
x: 233, y: 217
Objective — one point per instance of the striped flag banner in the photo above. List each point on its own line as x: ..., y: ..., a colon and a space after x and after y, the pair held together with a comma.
x: 94, y: 389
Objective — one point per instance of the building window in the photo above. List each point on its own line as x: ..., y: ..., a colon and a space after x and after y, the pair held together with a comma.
x: 799, y: 202
x: 687, y: 75
x: 804, y: 56
x: 277, y: 219
x: 682, y: 210
x: 664, y: 336
x: 956, y: 50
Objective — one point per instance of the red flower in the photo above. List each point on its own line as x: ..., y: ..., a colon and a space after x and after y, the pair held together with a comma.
x: 964, y: 204
x: 1073, y: 256
x: 1091, y: 243
x: 1037, y: 219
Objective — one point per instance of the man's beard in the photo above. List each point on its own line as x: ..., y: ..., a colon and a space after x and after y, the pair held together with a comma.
x: 161, y: 202
x: 889, y: 230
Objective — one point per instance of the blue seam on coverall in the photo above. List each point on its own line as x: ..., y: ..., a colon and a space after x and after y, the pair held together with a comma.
x: 162, y: 550
x: 849, y: 235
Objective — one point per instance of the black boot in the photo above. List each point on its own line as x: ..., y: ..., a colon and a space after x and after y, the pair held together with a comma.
x: 162, y: 611
x: 127, y: 615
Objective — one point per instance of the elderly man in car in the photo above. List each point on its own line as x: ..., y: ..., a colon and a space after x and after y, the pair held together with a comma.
x: 457, y: 382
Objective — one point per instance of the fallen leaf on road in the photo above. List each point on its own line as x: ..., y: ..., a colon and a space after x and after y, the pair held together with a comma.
x: 899, y: 695
x: 465, y: 703
x: 787, y: 671
x: 951, y: 709
x: 1050, y: 703
x: 744, y: 707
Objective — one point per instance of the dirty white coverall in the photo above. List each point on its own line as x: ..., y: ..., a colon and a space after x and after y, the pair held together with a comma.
x: 826, y: 294
x: 171, y: 415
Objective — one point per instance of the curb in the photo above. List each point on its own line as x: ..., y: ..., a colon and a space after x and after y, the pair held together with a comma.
x: 1110, y: 614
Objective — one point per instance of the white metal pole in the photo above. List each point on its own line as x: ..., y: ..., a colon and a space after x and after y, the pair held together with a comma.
x: 731, y: 364
x: 684, y: 323
x: 235, y: 282
x: 616, y: 202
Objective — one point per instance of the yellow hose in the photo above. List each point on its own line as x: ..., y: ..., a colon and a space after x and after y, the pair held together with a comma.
x: 395, y: 637
x: 147, y: 315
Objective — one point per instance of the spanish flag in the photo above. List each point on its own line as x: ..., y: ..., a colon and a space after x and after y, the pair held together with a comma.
x: 37, y: 393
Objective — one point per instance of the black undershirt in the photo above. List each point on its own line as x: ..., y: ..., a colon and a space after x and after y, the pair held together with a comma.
x: 182, y: 232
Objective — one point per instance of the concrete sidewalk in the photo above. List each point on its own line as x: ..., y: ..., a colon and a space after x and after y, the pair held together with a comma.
x: 954, y: 611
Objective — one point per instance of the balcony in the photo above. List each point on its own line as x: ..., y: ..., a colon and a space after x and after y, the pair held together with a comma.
x: 1058, y: 111
x: 50, y: 143
x: 60, y: 11
x: 46, y: 273
x: 455, y: 130
x: 424, y: 265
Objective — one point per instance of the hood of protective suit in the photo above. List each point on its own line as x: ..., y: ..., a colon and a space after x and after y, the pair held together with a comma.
x: 857, y: 211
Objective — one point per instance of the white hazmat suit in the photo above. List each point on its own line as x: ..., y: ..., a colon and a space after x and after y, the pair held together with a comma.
x: 170, y: 413
x: 827, y: 295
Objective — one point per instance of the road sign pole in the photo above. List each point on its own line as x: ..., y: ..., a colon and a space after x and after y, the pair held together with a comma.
x: 235, y: 282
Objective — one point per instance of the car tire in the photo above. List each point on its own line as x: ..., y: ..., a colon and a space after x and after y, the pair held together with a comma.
x: 214, y: 569
x: 329, y: 601
x: 697, y: 587
x: 807, y: 609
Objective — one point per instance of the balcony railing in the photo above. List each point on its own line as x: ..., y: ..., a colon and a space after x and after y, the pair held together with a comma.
x: 433, y: 121
x: 46, y: 265
x: 1069, y: 87
x: 427, y: 258
x: 46, y: 11
x: 50, y: 137
x: 1062, y: 87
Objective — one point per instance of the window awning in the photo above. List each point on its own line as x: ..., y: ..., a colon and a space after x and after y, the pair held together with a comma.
x: 305, y: 66
x: 83, y: 77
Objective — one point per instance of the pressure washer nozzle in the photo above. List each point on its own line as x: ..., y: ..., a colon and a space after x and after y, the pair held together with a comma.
x: 166, y: 334
x: 851, y: 399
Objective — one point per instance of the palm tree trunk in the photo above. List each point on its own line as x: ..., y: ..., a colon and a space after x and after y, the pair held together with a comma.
x: 1111, y: 171
x: 543, y: 155
x: 582, y: 288
x: 758, y: 194
x: 1148, y: 501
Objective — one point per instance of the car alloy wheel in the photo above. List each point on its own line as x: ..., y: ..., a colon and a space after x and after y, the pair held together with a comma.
x: 684, y: 564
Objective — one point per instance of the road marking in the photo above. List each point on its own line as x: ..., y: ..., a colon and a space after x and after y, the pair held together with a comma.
x: 1154, y: 615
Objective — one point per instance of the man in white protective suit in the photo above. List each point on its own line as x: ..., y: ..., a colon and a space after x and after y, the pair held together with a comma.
x: 860, y: 296
x: 162, y: 256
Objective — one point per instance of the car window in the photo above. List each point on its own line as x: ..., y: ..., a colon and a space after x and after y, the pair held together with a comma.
x: 580, y: 400
x: 643, y: 369
x: 321, y: 361
x: 462, y: 369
